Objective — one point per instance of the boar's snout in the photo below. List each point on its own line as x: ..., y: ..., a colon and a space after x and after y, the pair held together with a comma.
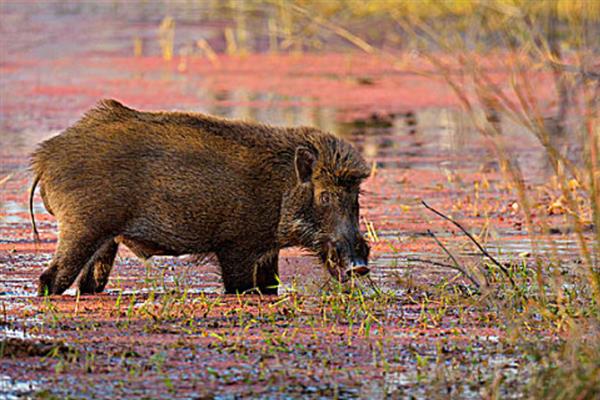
x: 358, y: 267
x: 347, y: 258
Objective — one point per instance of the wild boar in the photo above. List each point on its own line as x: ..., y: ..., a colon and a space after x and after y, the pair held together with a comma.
x: 174, y: 183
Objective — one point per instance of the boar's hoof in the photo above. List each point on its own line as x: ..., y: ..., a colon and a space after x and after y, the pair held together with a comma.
x: 46, y: 283
x: 269, y: 290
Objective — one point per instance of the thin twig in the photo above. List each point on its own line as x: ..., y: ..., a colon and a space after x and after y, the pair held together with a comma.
x: 374, y: 286
x: 338, y: 30
x: 443, y: 265
x: 5, y: 179
x: 480, y: 247
x: 456, y: 265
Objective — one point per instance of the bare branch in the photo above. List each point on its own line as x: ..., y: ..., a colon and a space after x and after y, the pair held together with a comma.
x: 457, y: 265
x: 444, y: 265
x: 480, y: 247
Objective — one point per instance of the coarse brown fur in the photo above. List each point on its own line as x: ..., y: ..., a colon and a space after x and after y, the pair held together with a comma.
x: 173, y: 183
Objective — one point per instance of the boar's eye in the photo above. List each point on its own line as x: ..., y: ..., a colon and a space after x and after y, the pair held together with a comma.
x: 325, y: 198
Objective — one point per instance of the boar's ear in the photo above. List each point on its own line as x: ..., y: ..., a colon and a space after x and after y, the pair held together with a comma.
x: 304, y: 161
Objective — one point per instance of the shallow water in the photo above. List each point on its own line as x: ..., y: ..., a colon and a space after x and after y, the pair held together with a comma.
x: 13, y: 389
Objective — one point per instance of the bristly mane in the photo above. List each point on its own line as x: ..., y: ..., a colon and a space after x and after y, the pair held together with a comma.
x: 339, y: 163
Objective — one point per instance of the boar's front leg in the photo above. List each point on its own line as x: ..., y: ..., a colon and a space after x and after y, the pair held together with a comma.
x: 244, y: 273
x: 265, y: 273
x: 94, y: 276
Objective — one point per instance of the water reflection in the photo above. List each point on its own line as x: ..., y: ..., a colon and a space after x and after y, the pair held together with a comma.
x: 271, y: 108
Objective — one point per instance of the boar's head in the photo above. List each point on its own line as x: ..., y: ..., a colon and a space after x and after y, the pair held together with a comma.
x: 321, y: 212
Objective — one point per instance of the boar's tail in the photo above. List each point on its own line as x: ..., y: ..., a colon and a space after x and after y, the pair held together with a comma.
x: 36, y: 235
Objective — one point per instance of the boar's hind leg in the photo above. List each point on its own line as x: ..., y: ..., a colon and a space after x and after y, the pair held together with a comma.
x: 94, y: 277
x: 241, y: 275
x: 72, y: 254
